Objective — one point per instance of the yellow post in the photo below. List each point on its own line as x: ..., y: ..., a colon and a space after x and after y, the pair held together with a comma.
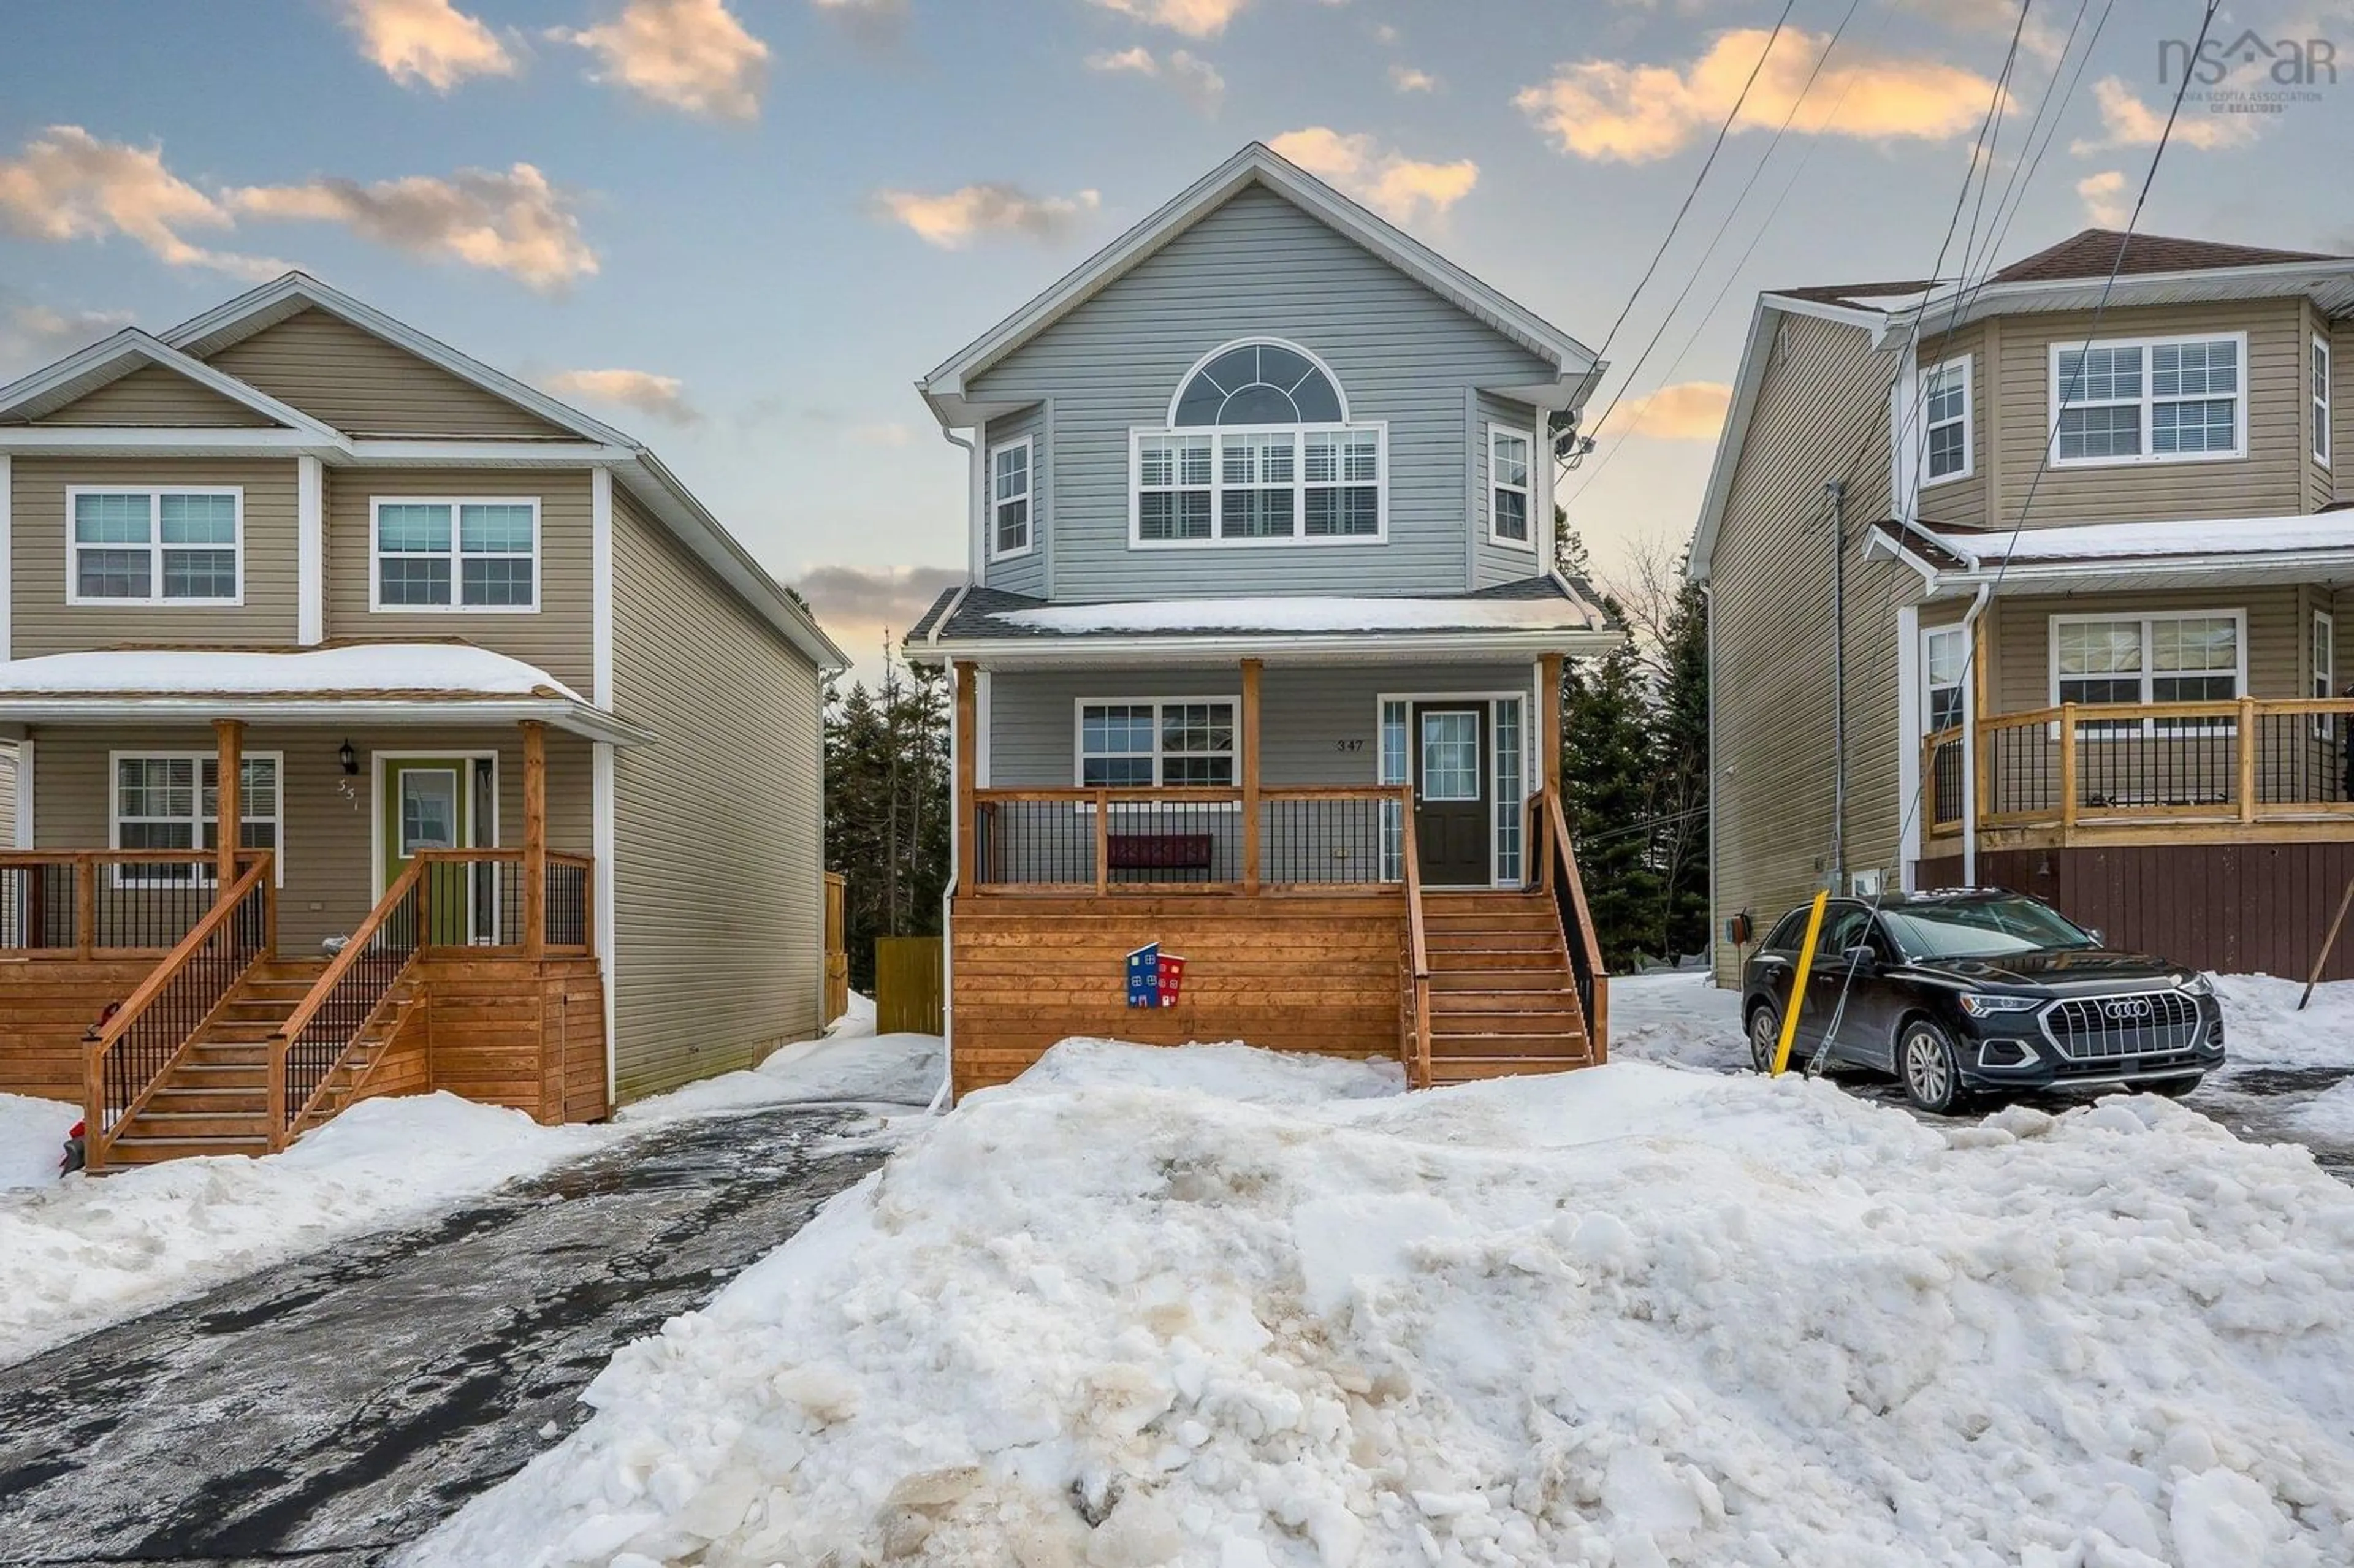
x: 1798, y: 983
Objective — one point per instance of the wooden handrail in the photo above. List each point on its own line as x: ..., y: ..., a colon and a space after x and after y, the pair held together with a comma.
x: 1418, y: 943
x: 1565, y: 857
x: 356, y: 944
x: 1174, y: 795
x: 164, y: 972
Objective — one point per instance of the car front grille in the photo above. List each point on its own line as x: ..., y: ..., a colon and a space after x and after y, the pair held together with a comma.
x: 2109, y: 1028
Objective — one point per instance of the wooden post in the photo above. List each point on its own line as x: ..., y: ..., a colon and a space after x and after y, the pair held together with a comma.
x: 2069, y: 792
x: 85, y: 905
x: 229, y: 738
x: 2321, y: 959
x: 1251, y: 670
x: 1549, y: 718
x: 1103, y: 843
x: 968, y: 711
x: 2247, y: 759
x: 534, y: 839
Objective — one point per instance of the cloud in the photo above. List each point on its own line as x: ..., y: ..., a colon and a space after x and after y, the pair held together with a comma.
x: 886, y: 434
x: 2039, y: 39
x: 513, y: 222
x: 859, y: 604
x: 1396, y: 187
x: 425, y: 41
x: 69, y: 184
x: 661, y: 396
x: 951, y: 220
x: 2127, y: 122
x: 688, y: 55
x: 1195, y: 78
x: 1607, y: 111
x: 1685, y: 412
x: 2104, y: 198
x: 1195, y: 18
x: 872, y: 22
x: 1407, y: 79
x: 33, y: 335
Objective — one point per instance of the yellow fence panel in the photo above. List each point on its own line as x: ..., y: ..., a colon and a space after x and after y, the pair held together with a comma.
x: 910, y: 988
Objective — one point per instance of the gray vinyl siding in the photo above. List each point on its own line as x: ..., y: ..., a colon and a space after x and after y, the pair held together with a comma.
x: 1259, y: 266
x: 1958, y: 501
x: 1770, y: 643
x: 1492, y: 563
x: 719, y: 823
x: 155, y: 397
x: 363, y: 386
x: 2278, y: 652
x: 46, y: 623
x: 557, y: 638
x: 1025, y: 573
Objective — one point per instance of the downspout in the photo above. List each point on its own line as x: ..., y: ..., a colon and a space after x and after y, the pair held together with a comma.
x: 976, y: 564
x: 1837, y: 490
x: 1970, y: 739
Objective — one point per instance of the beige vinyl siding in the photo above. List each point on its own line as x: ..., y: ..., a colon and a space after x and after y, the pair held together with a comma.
x: 154, y: 395
x: 328, y: 821
x: 364, y: 386
x: 719, y: 823
x: 1771, y: 650
x: 1958, y: 501
x: 557, y: 638
x: 2342, y: 410
x: 2269, y: 483
x: 46, y: 623
x: 2277, y: 657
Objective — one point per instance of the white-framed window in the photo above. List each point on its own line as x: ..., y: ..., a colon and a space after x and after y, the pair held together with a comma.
x: 2191, y: 656
x: 455, y: 553
x: 2147, y: 400
x: 171, y: 800
x: 2325, y: 671
x: 1146, y: 743
x: 2320, y: 373
x: 177, y: 545
x: 1948, y: 450
x: 1509, y: 490
x: 1010, y: 531
x: 1258, y: 449
x: 1944, y: 671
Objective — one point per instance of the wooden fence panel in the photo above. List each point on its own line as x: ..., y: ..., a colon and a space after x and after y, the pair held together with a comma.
x: 837, y: 948
x: 910, y: 990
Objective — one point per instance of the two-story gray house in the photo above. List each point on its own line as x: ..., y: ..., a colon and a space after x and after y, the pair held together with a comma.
x: 1259, y: 658
x: 2036, y: 582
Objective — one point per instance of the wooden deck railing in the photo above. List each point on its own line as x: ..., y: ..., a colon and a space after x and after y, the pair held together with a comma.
x: 1557, y: 872
x: 83, y: 904
x: 132, y: 1050
x: 2206, y: 767
x: 1414, y: 990
x: 335, y: 1014
x: 1337, y: 839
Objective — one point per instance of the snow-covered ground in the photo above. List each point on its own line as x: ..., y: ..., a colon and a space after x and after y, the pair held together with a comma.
x: 32, y: 1137
x: 1203, y: 1307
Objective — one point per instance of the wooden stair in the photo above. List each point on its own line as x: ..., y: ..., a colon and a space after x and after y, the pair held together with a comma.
x: 216, y: 1099
x: 1503, y: 1000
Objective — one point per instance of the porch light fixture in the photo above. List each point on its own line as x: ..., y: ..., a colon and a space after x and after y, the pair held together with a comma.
x: 348, y: 757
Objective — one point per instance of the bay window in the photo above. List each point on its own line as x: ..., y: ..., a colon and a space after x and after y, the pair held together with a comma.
x: 1945, y: 422
x: 2144, y: 400
x: 1009, y: 499
x: 1508, y: 485
x: 2320, y: 374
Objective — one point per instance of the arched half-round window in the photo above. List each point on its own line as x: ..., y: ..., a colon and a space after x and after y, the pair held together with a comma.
x: 1258, y: 384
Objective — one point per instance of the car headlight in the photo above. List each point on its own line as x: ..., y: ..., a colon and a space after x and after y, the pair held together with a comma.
x: 1980, y: 1003
x: 2199, y: 985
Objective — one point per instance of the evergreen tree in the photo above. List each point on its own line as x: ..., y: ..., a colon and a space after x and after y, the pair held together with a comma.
x: 1679, y: 739
x: 886, y: 807
x: 1608, y: 785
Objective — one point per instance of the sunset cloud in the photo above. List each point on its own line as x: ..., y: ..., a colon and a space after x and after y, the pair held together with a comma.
x: 512, y: 221
x: 955, y: 218
x: 689, y: 55
x: 1686, y: 411
x: 1195, y: 18
x: 2104, y: 198
x: 68, y: 185
x: 1407, y: 79
x: 430, y: 43
x: 33, y: 335
x: 1608, y: 110
x: 1195, y: 79
x: 1398, y: 187
x: 661, y: 398
x: 859, y: 605
x: 2127, y: 122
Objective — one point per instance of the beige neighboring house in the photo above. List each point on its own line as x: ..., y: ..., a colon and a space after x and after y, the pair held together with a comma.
x: 525, y: 749
x: 2070, y: 626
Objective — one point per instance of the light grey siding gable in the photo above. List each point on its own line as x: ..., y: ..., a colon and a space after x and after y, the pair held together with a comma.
x: 1491, y: 562
x: 1026, y: 572
x: 1260, y: 267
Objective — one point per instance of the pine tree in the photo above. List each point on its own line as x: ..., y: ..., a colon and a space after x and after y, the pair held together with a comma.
x: 886, y: 780
x: 1608, y: 783
x: 1679, y: 739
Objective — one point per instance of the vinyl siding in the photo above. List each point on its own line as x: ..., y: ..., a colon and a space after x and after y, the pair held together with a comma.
x: 154, y: 395
x: 557, y: 639
x: 1022, y: 573
x: 1960, y: 501
x: 719, y: 902
x: 1260, y: 267
x: 1771, y: 643
x: 46, y: 623
x: 2342, y: 410
x: 364, y: 386
x: 2279, y: 659
x: 2270, y: 482
x: 1492, y: 563
x: 328, y: 821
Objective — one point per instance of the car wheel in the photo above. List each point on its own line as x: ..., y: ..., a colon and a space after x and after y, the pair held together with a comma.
x: 1765, y: 1036
x: 1930, y: 1069
x: 2177, y: 1088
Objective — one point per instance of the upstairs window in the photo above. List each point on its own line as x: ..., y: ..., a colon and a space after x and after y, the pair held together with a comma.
x: 2146, y: 400
x: 455, y: 555
x: 178, y: 547
x: 1009, y: 499
x: 1508, y: 485
x: 1258, y: 449
x: 1945, y: 422
x: 2321, y: 402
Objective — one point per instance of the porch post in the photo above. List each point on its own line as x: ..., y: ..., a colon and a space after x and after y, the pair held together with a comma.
x: 1251, y: 669
x: 1549, y: 718
x: 229, y: 739
x: 967, y: 818
x: 535, y: 838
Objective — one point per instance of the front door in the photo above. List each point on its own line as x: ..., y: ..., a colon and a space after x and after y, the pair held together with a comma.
x: 428, y: 805
x: 1450, y: 793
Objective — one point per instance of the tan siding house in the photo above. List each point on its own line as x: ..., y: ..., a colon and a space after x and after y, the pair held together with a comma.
x: 521, y: 748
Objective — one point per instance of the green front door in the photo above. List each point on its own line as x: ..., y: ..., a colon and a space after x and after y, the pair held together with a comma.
x: 428, y: 805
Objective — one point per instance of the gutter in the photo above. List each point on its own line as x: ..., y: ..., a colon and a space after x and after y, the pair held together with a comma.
x: 1478, y: 642
x: 578, y: 718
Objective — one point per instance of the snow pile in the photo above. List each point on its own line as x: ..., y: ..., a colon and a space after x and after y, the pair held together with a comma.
x: 1324, y: 612
x: 2174, y: 536
x: 32, y: 1136
x: 77, y: 1255
x: 1682, y: 1020
x: 859, y: 1020
x: 1630, y: 1317
x: 857, y: 1069
x: 452, y: 669
x: 2263, y: 1028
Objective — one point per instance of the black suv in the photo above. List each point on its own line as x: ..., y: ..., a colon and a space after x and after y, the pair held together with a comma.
x: 1972, y: 992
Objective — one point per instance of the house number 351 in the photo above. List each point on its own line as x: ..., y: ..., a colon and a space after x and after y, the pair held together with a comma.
x: 1349, y: 746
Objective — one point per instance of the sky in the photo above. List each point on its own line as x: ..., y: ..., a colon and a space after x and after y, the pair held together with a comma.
x: 741, y: 229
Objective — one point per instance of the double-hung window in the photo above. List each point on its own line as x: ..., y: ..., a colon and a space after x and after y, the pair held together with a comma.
x: 1009, y: 499
x: 1944, y: 668
x: 1945, y: 422
x: 1157, y: 743
x: 2197, y: 657
x: 158, y: 546
x: 430, y: 553
x: 2144, y: 400
x: 1508, y: 485
x: 171, y: 800
x: 2320, y: 374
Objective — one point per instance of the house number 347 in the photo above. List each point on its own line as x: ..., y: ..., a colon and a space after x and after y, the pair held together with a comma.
x: 1357, y: 744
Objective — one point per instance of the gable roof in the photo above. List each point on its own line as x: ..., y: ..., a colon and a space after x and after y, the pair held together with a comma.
x: 1257, y: 165
x: 79, y: 374
x: 2092, y: 253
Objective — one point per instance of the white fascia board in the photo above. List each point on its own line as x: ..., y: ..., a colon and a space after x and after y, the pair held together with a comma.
x: 1971, y: 304
x: 579, y: 718
x: 132, y: 343
x: 143, y: 440
x: 310, y: 552
x: 600, y: 591
x: 2287, y: 565
x: 7, y: 560
x: 482, y: 454
x: 1324, y: 648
